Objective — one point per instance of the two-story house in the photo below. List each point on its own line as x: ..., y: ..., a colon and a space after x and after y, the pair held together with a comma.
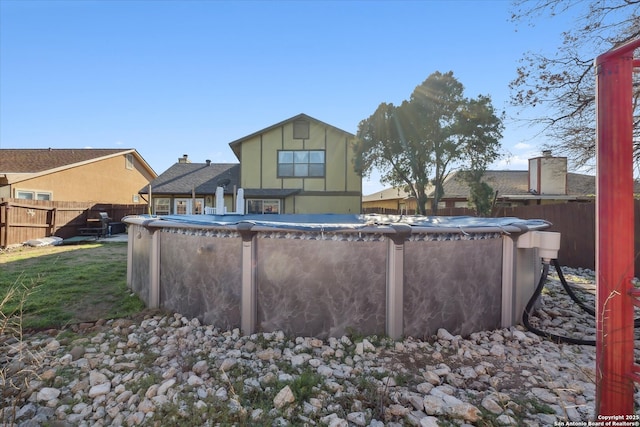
x: 299, y: 165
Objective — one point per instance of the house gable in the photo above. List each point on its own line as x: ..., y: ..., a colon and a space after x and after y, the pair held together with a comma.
x: 305, y: 158
x: 90, y: 175
x: 20, y: 164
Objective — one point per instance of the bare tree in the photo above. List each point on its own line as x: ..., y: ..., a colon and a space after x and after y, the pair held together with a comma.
x: 560, y: 88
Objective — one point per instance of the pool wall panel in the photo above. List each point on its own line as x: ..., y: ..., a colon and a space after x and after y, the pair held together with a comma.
x: 201, y: 277
x: 455, y: 285
x: 322, y: 287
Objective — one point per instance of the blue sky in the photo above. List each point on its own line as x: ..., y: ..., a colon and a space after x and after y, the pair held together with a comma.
x: 187, y: 77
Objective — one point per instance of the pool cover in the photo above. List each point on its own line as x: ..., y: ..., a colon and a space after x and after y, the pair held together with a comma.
x: 333, y: 222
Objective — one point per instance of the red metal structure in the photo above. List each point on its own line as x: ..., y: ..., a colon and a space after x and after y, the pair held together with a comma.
x: 616, y: 293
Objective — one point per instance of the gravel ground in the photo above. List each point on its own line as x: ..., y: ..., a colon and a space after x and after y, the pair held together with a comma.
x: 166, y: 370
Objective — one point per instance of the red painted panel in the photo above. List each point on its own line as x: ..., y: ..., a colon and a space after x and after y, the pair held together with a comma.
x: 614, y: 232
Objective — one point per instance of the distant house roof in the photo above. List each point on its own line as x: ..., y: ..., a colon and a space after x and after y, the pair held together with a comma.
x: 19, y: 164
x: 506, y: 183
x: 204, y: 178
x: 235, y: 145
x: 516, y: 183
x: 392, y: 193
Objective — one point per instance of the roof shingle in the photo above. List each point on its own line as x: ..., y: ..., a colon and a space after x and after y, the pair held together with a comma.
x: 183, y: 178
x: 40, y: 160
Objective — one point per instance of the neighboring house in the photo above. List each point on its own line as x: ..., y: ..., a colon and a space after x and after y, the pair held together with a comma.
x: 546, y: 181
x: 80, y: 175
x: 393, y: 199
x: 300, y: 165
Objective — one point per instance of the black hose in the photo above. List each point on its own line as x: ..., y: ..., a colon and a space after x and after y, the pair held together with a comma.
x: 567, y: 288
x: 529, y: 310
x: 574, y: 297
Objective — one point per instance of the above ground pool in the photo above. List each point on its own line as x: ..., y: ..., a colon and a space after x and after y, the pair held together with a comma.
x: 330, y: 275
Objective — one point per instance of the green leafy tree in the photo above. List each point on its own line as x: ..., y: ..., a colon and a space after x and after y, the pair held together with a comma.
x: 436, y: 130
x: 481, y: 194
x: 559, y: 88
x: 479, y: 128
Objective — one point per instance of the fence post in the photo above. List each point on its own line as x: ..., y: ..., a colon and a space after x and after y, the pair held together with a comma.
x: 52, y: 226
x: 4, y: 224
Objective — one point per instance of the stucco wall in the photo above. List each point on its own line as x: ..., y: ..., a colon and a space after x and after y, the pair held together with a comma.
x: 104, y: 181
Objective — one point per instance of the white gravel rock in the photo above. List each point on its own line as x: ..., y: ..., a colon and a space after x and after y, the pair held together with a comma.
x: 47, y: 394
x: 284, y: 397
x: 125, y: 371
x: 99, y: 390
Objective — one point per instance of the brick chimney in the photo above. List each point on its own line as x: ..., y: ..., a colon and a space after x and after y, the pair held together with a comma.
x: 548, y: 174
x: 184, y: 159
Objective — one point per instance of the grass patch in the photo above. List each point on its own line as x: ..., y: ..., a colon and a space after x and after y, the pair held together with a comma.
x: 70, y: 284
x: 304, y: 385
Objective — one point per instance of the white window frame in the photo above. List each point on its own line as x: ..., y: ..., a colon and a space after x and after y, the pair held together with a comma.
x: 166, y: 201
x: 188, y: 205
x: 34, y: 194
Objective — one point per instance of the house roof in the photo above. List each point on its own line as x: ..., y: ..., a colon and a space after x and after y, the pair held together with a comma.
x: 19, y: 164
x: 235, y: 145
x: 516, y: 183
x: 392, y: 193
x: 184, y: 178
x: 506, y: 183
x: 271, y: 192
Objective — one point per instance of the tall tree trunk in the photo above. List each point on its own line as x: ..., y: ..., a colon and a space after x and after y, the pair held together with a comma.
x: 421, y: 203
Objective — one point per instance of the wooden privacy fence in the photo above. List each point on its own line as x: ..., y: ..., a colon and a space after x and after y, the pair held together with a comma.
x: 576, y: 222
x: 22, y: 220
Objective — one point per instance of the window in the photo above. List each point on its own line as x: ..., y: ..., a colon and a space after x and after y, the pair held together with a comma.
x: 161, y: 206
x: 128, y: 161
x: 301, y: 163
x: 266, y: 206
x: 182, y: 207
x: 33, y: 195
x: 26, y: 195
x: 300, y: 129
x: 186, y: 206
